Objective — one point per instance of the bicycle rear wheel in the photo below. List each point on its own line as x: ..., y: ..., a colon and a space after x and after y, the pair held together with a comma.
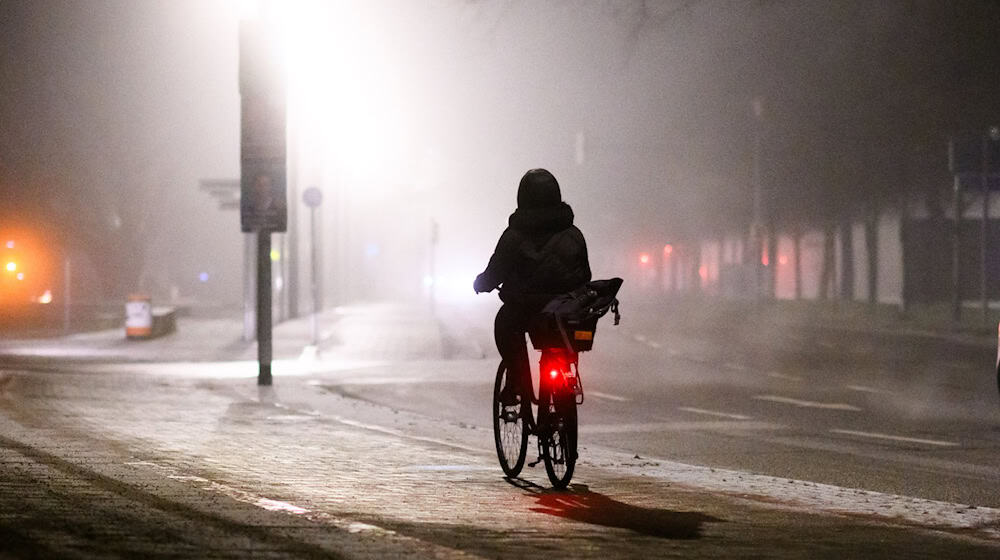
x: 558, y: 437
x: 510, y: 429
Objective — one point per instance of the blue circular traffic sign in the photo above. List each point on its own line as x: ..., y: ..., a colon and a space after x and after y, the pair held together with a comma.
x: 312, y: 196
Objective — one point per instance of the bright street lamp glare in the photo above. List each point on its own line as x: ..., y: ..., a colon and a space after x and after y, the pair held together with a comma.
x: 249, y: 9
x: 11, y: 266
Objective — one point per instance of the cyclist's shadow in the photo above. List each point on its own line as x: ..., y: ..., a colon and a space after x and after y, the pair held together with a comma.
x: 581, y: 504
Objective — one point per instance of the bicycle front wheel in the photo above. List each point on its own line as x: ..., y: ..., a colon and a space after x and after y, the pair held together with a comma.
x: 559, y: 438
x: 510, y: 429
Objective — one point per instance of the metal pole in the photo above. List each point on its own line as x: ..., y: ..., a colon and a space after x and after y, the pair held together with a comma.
x: 983, y: 230
x: 264, y: 307
x: 290, y: 263
x: 66, y: 295
x: 314, y: 285
x: 282, y: 287
x: 956, y: 274
x: 756, y: 230
x: 434, y: 240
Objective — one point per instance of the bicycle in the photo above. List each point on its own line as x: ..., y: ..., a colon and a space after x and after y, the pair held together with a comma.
x: 560, y: 391
x: 560, y: 387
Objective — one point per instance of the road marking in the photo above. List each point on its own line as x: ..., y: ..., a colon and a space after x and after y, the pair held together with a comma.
x: 606, y: 396
x: 288, y: 418
x: 779, y: 375
x: 734, y: 366
x: 379, y: 380
x: 806, y: 404
x: 401, y: 434
x: 714, y: 413
x: 896, y: 438
x: 450, y: 468
x: 275, y: 505
x: 866, y: 389
x: 682, y: 426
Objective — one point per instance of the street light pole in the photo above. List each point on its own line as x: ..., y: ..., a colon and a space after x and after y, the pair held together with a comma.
x: 263, y: 172
x: 956, y: 274
x: 984, y: 227
x: 756, y: 227
x: 434, y: 242
x: 67, y: 294
x: 313, y: 197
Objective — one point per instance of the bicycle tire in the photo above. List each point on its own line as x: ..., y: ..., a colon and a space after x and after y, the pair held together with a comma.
x: 559, y: 438
x: 510, y: 429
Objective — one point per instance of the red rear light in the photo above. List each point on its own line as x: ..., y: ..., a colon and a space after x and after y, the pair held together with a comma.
x: 554, y: 373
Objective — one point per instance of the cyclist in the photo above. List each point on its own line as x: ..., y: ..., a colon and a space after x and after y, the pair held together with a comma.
x: 540, y: 255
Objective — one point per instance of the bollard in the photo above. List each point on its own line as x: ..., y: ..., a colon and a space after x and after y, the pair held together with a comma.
x: 138, y: 316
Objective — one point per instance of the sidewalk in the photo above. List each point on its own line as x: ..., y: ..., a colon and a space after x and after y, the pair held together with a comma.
x: 919, y: 322
x: 382, y: 331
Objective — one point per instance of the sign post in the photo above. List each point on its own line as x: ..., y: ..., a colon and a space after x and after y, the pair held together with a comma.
x: 262, y: 166
x: 313, y: 197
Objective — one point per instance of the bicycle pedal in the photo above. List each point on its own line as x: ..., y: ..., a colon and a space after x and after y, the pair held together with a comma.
x: 533, y: 465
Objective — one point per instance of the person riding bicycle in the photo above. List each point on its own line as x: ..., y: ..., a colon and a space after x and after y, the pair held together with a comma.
x: 540, y: 255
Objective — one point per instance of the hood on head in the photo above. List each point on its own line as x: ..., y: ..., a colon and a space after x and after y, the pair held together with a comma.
x: 538, y: 189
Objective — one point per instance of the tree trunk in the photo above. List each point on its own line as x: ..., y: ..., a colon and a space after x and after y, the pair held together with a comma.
x: 904, y: 224
x: 826, y: 274
x: 796, y: 249
x: 696, y: 268
x: 871, y: 244
x: 677, y: 265
x: 847, y: 260
x: 770, y: 283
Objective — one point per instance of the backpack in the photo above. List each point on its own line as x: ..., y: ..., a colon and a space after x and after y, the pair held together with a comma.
x: 570, y: 320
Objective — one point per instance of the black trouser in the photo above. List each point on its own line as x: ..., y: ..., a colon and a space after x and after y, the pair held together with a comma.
x: 509, y: 329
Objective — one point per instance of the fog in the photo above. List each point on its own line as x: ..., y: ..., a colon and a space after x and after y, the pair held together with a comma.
x: 408, y: 113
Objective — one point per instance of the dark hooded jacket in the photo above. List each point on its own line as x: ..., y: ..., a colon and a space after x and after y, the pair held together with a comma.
x: 541, y: 254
